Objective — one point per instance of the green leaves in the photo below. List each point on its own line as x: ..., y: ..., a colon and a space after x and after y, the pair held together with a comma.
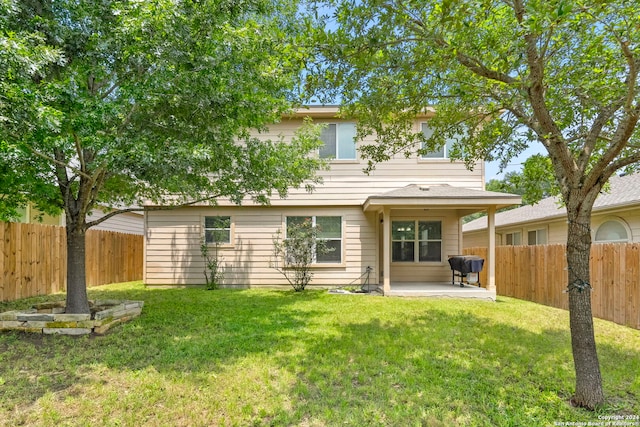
x: 564, y: 73
x: 561, y: 72
x: 122, y: 102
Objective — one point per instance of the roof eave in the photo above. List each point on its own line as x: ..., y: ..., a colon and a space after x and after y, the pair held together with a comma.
x: 377, y: 203
x: 333, y: 112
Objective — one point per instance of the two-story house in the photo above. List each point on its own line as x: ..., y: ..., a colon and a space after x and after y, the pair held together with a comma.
x: 400, y: 223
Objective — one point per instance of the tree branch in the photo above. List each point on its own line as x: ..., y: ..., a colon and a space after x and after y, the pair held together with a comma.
x: 621, y: 137
x: 127, y: 119
x: 477, y: 67
x: 110, y: 90
x: 76, y: 141
x: 56, y: 161
x: 621, y: 163
x: 594, y: 133
x: 563, y: 162
x: 149, y: 208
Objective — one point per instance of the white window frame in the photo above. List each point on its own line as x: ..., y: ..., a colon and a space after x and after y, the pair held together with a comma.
x: 338, y: 143
x: 417, y: 239
x: 619, y: 221
x: 538, y: 232
x: 513, y: 234
x: 230, y: 229
x: 448, y: 145
x: 314, y: 221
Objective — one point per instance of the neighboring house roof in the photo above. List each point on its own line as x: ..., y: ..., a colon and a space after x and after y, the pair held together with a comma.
x: 624, y: 191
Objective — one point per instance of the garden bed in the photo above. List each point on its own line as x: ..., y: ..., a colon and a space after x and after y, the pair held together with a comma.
x: 49, y: 318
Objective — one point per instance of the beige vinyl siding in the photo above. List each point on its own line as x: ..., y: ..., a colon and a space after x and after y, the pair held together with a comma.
x: 128, y: 222
x: 556, y: 231
x: 350, y: 191
x: 345, y: 184
x: 173, y: 256
x: 131, y: 223
x: 474, y: 239
x: 633, y: 219
x: 430, y: 170
x: 32, y: 215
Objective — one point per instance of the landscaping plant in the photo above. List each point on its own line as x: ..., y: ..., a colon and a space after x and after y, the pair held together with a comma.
x: 295, y: 254
x: 213, y: 268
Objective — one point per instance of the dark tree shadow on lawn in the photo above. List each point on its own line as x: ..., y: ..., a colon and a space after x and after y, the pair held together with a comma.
x: 467, y: 371
x: 178, y: 331
x: 432, y: 368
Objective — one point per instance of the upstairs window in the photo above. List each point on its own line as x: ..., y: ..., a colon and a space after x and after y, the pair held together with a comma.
x: 441, y: 153
x: 339, y: 141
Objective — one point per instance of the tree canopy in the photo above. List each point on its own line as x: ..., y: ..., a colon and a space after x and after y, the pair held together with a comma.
x: 533, y: 182
x: 148, y: 99
x: 498, y: 75
x: 388, y: 60
x: 126, y: 102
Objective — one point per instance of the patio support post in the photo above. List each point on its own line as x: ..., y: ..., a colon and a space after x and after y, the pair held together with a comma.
x: 460, y: 236
x: 491, y: 265
x: 386, y: 255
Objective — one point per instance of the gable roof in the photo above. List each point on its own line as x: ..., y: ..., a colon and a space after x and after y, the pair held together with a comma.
x: 624, y: 191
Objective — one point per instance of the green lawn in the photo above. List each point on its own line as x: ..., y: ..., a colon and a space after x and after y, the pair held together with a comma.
x: 260, y: 357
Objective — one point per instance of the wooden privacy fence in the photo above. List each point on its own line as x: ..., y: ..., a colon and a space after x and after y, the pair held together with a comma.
x: 539, y: 274
x: 33, y: 259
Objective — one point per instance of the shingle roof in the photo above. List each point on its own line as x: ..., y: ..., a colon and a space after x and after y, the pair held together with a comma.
x: 624, y: 190
x: 415, y: 191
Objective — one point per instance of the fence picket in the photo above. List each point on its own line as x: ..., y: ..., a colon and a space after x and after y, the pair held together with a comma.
x: 539, y: 274
x: 33, y: 259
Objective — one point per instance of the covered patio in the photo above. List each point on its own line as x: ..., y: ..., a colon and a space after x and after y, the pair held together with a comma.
x: 427, y: 210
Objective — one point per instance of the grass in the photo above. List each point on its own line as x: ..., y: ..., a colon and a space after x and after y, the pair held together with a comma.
x: 261, y: 357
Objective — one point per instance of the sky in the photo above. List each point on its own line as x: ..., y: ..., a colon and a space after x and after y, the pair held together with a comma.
x: 491, y: 168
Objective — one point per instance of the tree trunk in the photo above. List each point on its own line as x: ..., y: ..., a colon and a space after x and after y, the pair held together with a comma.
x: 77, y: 300
x: 588, y: 392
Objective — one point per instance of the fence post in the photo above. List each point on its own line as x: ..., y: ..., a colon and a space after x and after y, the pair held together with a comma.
x: 33, y: 258
x: 539, y: 274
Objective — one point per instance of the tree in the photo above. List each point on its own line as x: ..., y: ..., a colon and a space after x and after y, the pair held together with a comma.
x: 147, y: 101
x: 23, y: 53
x: 499, y: 74
x: 532, y: 183
x: 213, y: 267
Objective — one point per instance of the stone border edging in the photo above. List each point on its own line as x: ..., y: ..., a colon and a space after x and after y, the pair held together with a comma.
x: 50, y: 319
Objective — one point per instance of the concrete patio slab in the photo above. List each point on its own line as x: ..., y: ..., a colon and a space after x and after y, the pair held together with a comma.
x: 447, y: 290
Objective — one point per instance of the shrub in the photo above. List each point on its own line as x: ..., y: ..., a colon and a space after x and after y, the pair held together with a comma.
x: 213, y: 271
x: 295, y: 253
